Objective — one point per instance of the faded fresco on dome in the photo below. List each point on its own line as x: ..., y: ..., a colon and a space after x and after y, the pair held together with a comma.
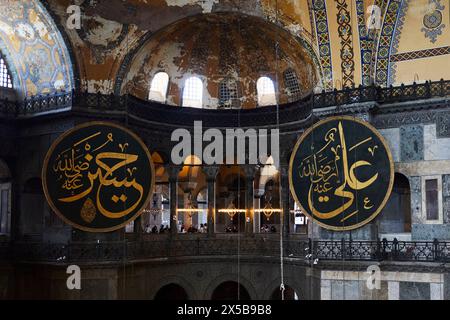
x: 218, y: 47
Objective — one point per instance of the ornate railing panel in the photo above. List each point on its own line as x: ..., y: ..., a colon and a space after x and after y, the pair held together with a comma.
x: 383, y: 250
x: 426, y: 251
x: 291, y: 112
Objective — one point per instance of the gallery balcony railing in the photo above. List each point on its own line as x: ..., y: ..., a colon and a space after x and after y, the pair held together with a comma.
x: 426, y: 251
x: 162, y: 113
x: 36, y: 104
x: 307, y: 250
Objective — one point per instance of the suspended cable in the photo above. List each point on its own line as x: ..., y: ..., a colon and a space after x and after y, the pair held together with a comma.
x: 277, y: 98
x: 239, y: 216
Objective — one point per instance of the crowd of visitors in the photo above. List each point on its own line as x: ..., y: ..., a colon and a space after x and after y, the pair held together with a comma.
x: 154, y: 229
x: 194, y: 228
x: 202, y: 229
x: 265, y: 228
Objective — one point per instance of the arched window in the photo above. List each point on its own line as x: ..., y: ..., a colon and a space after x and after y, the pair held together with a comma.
x: 266, y: 92
x: 292, y: 84
x: 230, y: 290
x: 396, y: 215
x: 158, y: 88
x: 228, y: 94
x: 5, y: 77
x: 289, y: 294
x: 193, y: 93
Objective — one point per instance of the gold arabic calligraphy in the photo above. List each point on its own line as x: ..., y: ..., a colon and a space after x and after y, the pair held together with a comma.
x: 332, y: 173
x: 81, y: 161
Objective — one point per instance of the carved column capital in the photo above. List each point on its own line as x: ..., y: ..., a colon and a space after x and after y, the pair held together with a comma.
x: 210, y: 172
x: 250, y: 172
x: 285, y: 153
x: 173, y: 172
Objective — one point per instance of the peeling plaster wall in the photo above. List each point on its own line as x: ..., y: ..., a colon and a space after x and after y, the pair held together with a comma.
x: 206, y: 5
x: 111, y: 29
x: 215, y: 47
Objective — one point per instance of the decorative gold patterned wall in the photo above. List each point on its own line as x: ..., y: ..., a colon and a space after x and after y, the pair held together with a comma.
x: 34, y: 49
x: 411, y: 40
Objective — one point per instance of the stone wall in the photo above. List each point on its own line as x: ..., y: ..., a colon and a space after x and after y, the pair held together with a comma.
x: 352, y: 285
x: 418, y: 153
x: 197, y: 276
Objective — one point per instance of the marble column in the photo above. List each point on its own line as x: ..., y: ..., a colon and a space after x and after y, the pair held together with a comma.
x: 249, y: 172
x: 211, y: 175
x: 187, y: 217
x: 173, y: 172
x: 285, y: 215
x: 137, y: 227
x: 259, y: 193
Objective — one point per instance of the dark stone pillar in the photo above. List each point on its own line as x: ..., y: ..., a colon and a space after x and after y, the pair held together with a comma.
x: 285, y: 195
x: 15, y: 211
x: 249, y: 172
x: 211, y: 175
x: 173, y: 172
x: 137, y: 227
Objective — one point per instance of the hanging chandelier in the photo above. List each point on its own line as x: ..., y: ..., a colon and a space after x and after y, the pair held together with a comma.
x: 190, y: 211
x: 268, y: 210
x: 153, y: 211
x: 231, y: 210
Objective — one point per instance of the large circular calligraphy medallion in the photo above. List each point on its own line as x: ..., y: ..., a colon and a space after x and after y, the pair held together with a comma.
x: 98, y: 176
x: 341, y: 173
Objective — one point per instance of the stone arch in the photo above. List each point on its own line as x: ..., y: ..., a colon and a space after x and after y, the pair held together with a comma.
x: 159, y: 161
x: 5, y: 173
x: 171, y: 291
x: 288, y: 281
x: 289, y: 294
x: 230, y: 278
x: 158, y: 158
x: 68, y: 41
x: 230, y: 290
x: 175, y: 280
x: 396, y: 215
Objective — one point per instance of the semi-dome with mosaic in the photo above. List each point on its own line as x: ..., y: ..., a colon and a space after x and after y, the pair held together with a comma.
x: 221, y: 60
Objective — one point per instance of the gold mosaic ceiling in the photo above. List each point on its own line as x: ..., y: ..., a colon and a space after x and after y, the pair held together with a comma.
x: 409, y: 42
